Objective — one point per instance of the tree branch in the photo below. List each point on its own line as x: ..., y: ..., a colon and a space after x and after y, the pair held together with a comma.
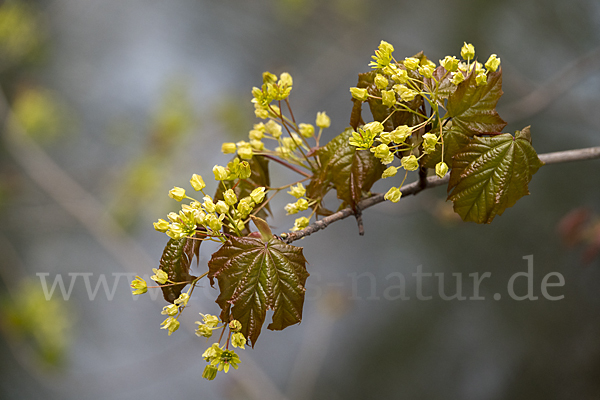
x: 432, y: 181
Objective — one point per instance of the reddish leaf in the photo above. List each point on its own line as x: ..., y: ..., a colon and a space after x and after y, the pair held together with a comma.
x: 254, y: 277
x: 175, y: 261
x: 473, y: 108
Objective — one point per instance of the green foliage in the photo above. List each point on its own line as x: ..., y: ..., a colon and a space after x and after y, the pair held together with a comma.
x: 424, y: 116
x: 490, y: 174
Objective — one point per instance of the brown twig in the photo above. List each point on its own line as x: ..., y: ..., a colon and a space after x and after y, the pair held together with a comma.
x: 433, y: 181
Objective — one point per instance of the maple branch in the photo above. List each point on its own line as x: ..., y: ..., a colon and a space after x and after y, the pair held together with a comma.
x: 432, y: 181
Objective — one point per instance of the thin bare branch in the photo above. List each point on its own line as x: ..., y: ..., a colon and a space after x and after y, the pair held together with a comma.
x: 432, y: 181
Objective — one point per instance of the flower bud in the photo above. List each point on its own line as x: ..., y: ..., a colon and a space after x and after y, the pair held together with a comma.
x: 210, y: 372
x: 481, y: 79
x: 323, y: 121
x: 159, y: 276
x: 467, y: 52
x: 393, y: 195
x: 245, y: 152
x: 238, y: 339
x: 269, y: 77
x: 380, y: 151
x: 401, y: 76
x: 235, y: 325
x: 300, y: 223
x: 285, y: 79
x: 220, y: 173
x: 389, y: 172
x: 429, y: 142
x: 380, y: 81
x: 441, y: 169
x: 297, y: 191
x: 291, y: 208
x: 410, y: 163
x: 244, y: 171
x: 258, y: 194
x: 450, y: 63
x: 197, y: 182
x: 221, y: 207
x: 230, y: 197
x: 492, y: 63
x: 401, y: 133
x: 411, y: 63
x: 228, y: 148
x: 426, y: 71
x: 457, y: 77
x: 177, y: 193
x: 306, y: 130
x: 301, y: 204
x: 170, y: 324
x: 139, y: 285
x: 359, y: 94
x: 388, y: 98
x: 273, y: 128
x: 161, y: 225
x: 208, y: 204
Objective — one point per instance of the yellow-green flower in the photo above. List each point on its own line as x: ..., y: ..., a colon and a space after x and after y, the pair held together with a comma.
x: 161, y: 225
x: 177, y: 193
x: 159, y: 276
x: 380, y: 81
x: 297, y: 191
x: 388, y: 98
x: 389, y: 172
x: 323, y: 121
x: 449, y: 63
x: 393, y: 195
x: 410, y: 163
x: 230, y: 197
x: 238, y: 340
x: 210, y: 372
x: 220, y: 173
x: 306, y: 130
x: 359, y: 94
x: 258, y: 194
x: 139, y: 285
x: 411, y: 63
x: 228, y: 148
x: 170, y: 324
x: 300, y: 223
x: 441, y: 169
x: 197, y: 182
x: 467, y: 52
x: 170, y: 310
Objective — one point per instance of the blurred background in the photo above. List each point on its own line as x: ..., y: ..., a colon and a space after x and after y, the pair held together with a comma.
x: 106, y: 105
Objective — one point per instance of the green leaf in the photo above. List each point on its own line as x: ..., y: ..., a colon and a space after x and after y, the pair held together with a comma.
x: 254, y: 277
x: 175, y: 261
x: 491, y: 174
x: 473, y: 108
x: 351, y: 172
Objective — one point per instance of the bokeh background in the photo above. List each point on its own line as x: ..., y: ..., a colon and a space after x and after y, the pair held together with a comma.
x: 106, y: 105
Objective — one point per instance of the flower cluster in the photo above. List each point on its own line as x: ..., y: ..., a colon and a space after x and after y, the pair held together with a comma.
x: 210, y: 216
x: 412, y: 85
x: 220, y: 358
